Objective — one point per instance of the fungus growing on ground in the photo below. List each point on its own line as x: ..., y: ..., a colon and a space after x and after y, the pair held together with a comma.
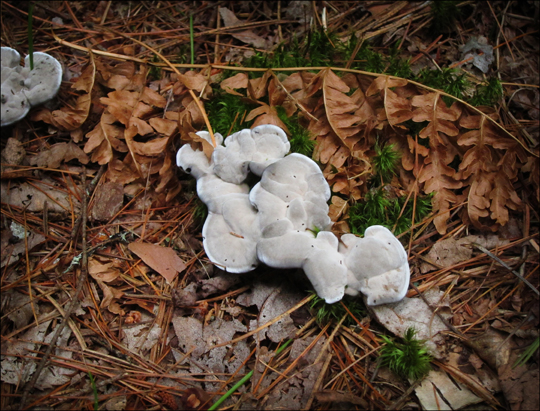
x: 23, y: 88
x: 283, y: 221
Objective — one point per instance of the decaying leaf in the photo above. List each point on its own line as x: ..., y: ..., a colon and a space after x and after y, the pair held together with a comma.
x: 415, y: 313
x: 58, y: 153
x: 104, y: 272
x: 162, y: 259
x: 71, y: 117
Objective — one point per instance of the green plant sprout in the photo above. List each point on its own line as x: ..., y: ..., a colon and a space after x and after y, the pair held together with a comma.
x: 408, y: 359
x: 386, y: 161
x: 243, y: 380
x: 324, y: 312
x: 94, y: 390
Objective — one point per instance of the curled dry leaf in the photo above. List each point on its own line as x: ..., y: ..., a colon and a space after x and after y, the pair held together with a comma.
x: 104, y: 272
x: 58, y: 153
x: 162, y: 259
x: 72, y: 116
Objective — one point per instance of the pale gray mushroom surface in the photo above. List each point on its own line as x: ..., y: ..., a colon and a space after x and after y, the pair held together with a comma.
x: 283, y: 221
x: 23, y: 88
x: 249, y: 150
x: 377, y: 265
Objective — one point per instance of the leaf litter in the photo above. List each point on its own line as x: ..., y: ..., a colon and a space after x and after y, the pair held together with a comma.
x: 184, y: 325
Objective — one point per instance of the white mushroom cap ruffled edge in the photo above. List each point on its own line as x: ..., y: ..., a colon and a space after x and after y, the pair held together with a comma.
x: 23, y: 88
x: 273, y: 223
x: 249, y: 150
x: 377, y: 265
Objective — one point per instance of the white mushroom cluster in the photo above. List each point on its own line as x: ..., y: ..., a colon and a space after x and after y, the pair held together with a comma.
x: 283, y: 220
x: 23, y: 88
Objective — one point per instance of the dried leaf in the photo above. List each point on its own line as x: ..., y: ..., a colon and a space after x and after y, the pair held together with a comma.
x: 58, y: 153
x: 230, y: 84
x: 72, y: 116
x: 103, y: 272
x: 397, y: 109
x: 162, y: 259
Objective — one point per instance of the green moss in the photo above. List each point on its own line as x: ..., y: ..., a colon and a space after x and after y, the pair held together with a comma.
x: 444, y: 14
x: 385, y: 162
x: 378, y: 209
x: 367, y: 60
x: 317, y: 49
x: 334, y: 312
x: 488, y: 94
x: 226, y: 111
x: 449, y: 80
x: 300, y: 138
x: 397, y: 66
x: 408, y: 359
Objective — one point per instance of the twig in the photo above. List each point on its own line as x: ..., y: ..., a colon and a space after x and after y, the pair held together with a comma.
x: 91, y: 188
x: 501, y: 262
x: 72, y: 305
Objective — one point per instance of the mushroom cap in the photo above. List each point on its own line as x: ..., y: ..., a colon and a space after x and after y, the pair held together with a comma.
x: 377, y: 265
x: 230, y: 237
x: 43, y: 82
x: 192, y: 161
x: 271, y: 144
x: 295, y: 176
x: 298, y: 182
x: 283, y: 247
x: 271, y: 208
x: 23, y: 88
x: 212, y: 191
x: 195, y: 162
x: 231, y: 162
x: 248, y: 150
x: 325, y: 268
x: 15, y: 105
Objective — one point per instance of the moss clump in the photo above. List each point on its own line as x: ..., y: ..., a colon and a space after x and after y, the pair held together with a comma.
x: 444, y: 14
x: 377, y: 208
x: 385, y: 162
x: 226, y: 112
x: 408, y: 359
x: 300, y: 137
x: 334, y: 312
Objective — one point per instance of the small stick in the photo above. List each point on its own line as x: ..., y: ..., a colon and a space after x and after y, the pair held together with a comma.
x: 501, y: 262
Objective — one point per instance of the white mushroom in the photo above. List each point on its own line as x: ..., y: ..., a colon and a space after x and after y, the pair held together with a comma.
x: 23, y: 88
x: 275, y: 222
x: 249, y: 150
x: 281, y: 246
x: 230, y: 236
x: 377, y: 265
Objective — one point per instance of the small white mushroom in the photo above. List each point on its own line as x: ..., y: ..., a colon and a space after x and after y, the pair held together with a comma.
x: 23, y: 88
x: 230, y: 236
x: 377, y: 265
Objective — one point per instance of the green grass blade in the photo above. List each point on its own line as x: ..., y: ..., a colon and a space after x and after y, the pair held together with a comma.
x: 31, y: 35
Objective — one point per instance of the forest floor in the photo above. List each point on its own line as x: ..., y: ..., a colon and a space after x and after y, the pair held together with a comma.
x: 424, y: 117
